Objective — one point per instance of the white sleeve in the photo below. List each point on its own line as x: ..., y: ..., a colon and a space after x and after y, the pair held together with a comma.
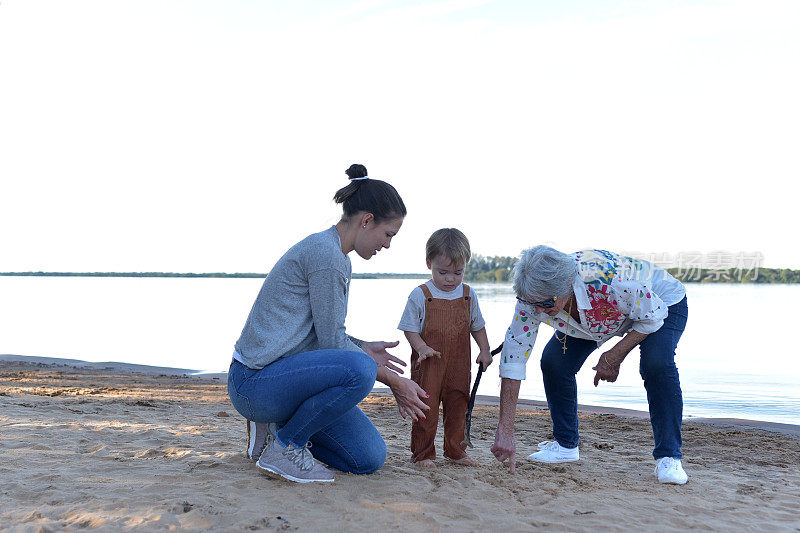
x: 476, y: 321
x: 413, y: 318
x: 518, y: 344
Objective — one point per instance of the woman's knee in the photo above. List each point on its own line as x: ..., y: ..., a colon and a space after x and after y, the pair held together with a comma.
x: 373, y: 458
x: 362, y: 370
x: 656, y: 365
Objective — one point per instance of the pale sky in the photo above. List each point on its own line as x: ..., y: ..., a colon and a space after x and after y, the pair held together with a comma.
x: 211, y: 135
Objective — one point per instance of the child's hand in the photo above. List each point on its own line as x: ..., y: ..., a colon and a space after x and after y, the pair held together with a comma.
x: 484, y: 359
x: 426, y: 351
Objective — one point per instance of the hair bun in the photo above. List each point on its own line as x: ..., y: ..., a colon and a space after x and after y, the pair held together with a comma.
x: 356, y: 171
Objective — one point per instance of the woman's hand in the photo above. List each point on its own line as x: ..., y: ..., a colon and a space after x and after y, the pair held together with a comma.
x: 409, y: 397
x: 377, y: 350
x: 504, y: 447
x: 607, y: 367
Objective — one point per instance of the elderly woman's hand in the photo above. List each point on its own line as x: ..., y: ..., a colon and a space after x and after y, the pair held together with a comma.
x: 409, y: 397
x: 505, y: 447
x: 607, y: 367
x: 377, y: 350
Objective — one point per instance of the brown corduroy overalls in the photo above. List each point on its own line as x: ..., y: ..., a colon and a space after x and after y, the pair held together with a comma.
x: 445, y: 379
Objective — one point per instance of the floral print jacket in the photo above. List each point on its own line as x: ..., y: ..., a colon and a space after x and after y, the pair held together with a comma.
x: 614, y: 293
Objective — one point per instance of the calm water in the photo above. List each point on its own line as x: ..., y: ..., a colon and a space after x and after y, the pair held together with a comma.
x: 732, y: 363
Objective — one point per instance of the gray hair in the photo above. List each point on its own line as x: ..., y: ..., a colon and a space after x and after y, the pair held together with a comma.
x: 543, y: 272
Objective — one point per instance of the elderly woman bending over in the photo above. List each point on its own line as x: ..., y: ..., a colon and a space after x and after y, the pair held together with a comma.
x: 589, y: 297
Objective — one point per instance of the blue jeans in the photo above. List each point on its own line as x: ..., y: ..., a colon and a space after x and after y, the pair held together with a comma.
x: 656, y: 366
x: 314, y: 397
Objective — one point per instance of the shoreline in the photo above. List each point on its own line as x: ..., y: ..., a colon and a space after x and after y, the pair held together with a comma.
x: 792, y: 430
x: 771, y: 276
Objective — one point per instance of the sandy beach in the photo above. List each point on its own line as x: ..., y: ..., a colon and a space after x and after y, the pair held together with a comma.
x: 115, y: 447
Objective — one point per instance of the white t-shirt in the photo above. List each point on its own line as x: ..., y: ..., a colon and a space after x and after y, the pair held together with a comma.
x: 413, y: 318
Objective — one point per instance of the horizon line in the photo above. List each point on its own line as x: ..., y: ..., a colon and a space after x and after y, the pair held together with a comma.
x: 160, y: 274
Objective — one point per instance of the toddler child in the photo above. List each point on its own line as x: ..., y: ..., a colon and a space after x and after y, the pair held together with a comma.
x: 438, y: 319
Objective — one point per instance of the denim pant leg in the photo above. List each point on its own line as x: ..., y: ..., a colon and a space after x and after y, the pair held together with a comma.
x: 560, y: 387
x: 303, y: 393
x: 351, y: 444
x: 662, y: 383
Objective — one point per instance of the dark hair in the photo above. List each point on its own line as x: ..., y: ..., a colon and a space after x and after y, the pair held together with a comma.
x: 369, y: 195
x: 450, y: 243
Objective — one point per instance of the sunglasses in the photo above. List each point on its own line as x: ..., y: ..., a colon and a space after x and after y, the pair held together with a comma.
x: 546, y: 304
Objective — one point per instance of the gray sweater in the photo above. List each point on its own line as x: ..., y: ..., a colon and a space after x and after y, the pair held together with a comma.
x: 302, y: 305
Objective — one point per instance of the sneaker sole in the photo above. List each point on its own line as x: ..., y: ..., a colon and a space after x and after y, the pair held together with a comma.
x: 276, y: 473
x: 665, y: 482
x: 538, y: 460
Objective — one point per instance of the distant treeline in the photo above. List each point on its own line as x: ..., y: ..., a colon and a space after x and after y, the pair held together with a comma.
x: 139, y: 274
x: 498, y: 268
x: 484, y: 268
x: 736, y: 275
x: 479, y: 268
x: 188, y: 275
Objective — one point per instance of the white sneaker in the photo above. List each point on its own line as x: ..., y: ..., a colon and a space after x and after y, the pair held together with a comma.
x: 553, y: 452
x: 670, y: 470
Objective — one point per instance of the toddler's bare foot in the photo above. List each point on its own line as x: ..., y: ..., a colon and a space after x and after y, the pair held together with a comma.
x: 466, y: 461
x: 427, y: 463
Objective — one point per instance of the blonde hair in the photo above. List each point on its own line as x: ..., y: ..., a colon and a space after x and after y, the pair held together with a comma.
x: 449, y: 242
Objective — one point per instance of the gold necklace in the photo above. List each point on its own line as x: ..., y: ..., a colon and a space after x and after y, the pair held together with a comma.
x: 564, y: 342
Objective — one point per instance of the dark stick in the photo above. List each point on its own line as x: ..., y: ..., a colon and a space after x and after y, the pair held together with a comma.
x: 471, y: 404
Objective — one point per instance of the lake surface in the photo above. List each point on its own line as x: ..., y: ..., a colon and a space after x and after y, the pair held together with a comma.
x: 732, y: 363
